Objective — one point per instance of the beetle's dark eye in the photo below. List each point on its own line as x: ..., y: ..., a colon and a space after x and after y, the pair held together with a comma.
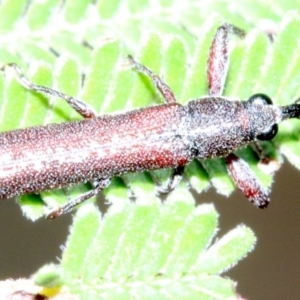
x: 270, y: 134
x: 263, y: 99
x: 260, y: 99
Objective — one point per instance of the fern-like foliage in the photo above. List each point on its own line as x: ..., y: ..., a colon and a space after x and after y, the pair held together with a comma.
x: 79, y: 47
x: 162, y: 252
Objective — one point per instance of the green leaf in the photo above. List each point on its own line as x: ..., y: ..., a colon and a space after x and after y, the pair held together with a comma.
x: 82, y: 233
x: 74, y: 10
x: 175, y: 64
x: 226, y: 251
x: 39, y: 13
x: 166, y: 247
x: 68, y: 81
x: 99, y: 77
x: 143, y: 91
x: 48, y: 276
x: 107, y: 9
x: 10, y: 11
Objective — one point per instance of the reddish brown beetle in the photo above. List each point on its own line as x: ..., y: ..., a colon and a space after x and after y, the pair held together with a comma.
x: 169, y: 135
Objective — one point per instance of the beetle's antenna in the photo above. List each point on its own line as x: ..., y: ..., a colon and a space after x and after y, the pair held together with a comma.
x: 291, y: 111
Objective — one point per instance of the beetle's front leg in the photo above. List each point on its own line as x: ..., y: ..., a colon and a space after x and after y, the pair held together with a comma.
x: 217, y: 63
x: 267, y: 162
x: 246, y: 181
x: 173, y: 181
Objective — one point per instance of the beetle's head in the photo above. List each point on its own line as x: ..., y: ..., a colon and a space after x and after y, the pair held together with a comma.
x: 265, y: 116
x: 270, y: 115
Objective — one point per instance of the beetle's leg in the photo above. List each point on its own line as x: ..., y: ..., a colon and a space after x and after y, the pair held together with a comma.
x: 169, y: 97
x: 165, y: 90
x: 217, y: 63
x: 268, y: 163
x: 173, y: 181
x: 258, y: 149
x: 98, y: 185
x: 81, y: 107
x: 246, y: 181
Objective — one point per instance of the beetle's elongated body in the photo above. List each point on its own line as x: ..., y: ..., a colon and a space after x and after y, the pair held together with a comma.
x: 58, y: 155
x: 163, y: 136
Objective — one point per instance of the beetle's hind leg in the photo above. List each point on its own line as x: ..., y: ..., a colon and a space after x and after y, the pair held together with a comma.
x: 81, y: 107
x: 98, y: 185
x: 169, y: 97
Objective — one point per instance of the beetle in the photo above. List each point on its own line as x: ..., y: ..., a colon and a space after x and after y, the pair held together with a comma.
x: 168, y: 135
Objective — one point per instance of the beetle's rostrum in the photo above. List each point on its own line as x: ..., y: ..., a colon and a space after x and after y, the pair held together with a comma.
x: 163, y: 136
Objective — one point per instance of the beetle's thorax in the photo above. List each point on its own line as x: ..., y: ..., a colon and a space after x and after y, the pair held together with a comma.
x: 219, y: 126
